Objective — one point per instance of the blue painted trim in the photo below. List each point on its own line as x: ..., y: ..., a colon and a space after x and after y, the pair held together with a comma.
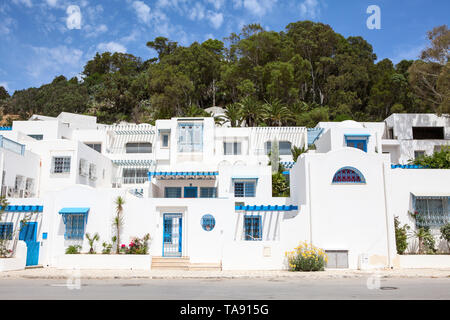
x: 74, y: 211
x: 357, y: 135
x: 267, y: 208
x: 195, y: 195
x: 23, y: 208
x: 5, y: 128
x: 407, y: 166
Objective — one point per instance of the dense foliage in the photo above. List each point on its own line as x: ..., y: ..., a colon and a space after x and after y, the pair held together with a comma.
x: 304, y: 74
x: 401, y: 236
x: 438, y: 160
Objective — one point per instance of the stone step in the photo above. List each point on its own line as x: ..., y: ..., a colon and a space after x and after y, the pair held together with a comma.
x: 169, y: 263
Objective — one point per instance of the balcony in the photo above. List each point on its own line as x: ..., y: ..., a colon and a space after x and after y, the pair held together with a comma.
x: 11, y: 145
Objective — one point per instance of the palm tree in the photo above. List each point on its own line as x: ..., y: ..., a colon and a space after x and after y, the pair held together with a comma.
x: 118, y: 220
x: 296, y: 152
x: 251, y: 111
x: 92, y: 240
x: 275, y: 112
x: 233, y: 115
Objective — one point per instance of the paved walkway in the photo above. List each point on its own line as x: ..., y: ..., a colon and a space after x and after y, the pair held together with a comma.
x: 54, y: 273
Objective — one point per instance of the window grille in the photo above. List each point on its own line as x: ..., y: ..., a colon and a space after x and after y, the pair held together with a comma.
x: 61, y: 164
x: 172, y: 192
x: 190, y: 137
x: 432, y: 212
x: 348, y: 175
x: 134, y: 175
x: 245, y: 189
x: 208, y: 192
x: 252, y: 228
x: 92, y: 171
x: 208, y: 222
x: 6, y: 230
x: 74, y: 226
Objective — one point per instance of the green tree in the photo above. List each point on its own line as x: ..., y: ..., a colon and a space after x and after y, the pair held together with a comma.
x: 118, y: 221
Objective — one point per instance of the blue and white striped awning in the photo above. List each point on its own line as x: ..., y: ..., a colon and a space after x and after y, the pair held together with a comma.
x: 267, y: 208
x: 173, y: 175
x: 24, y: 208
x: 139, y: 132
x: 133, y: 162
x: 287, y: 164
x: 314, y: 134
x: 244, y: 177
x: 69, y: 211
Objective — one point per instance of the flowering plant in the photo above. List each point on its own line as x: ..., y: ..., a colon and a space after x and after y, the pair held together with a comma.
x: 306, y: 257
x: 136, y: 246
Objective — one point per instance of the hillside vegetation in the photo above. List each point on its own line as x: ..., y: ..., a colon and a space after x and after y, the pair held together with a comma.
x: 304, y: 74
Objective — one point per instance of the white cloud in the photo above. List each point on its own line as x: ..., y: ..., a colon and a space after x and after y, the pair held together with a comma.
x: 216, y: 3
x: 6, y: 25
x: 216, y: 19
x: 73, y: 20
x: 258, y: 7
x: 92, y: 32
x: 197, y: 12
x: 111, y: 47
x: 27, y: 3
x: 142, y: 11
x: 310, y: 9
x: 49, y: 62
x: 52, y: 3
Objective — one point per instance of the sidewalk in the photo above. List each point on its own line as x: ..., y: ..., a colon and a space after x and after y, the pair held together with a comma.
x: 54, y: 273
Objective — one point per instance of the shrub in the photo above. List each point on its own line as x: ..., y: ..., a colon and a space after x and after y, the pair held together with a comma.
x: 136, y: 246
x: 306, y: 257
x: 74, y: 249
x: 445, y: 233
x: 107, y: 247
x: 401, y: 236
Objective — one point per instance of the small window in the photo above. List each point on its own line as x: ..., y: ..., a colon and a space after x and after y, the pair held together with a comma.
x: 252, y: 228
x: 348, y: 175
x: 138, y: 147
x: 419, y: 154
x: 268, y: 147
x: 75, y: 226
x: 83, y: 169
x: 425, y: 133
x: 92, y: 171
x: 245, y: 189
x: 285, y: 148
x: 6, y: 230
x: 232, y: 148
x: 208, y: 192
x: 61, y: 164
x: 172, y: 192
x: 208, y: 222
x: 134, y: 175
x: 36, y: 136
x: 96, y: 146
x: 165, y: 140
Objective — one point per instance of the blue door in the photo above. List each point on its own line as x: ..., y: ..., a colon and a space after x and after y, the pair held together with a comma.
x: 28, y: 231
x: 172, y: 235
x: 190, y: 192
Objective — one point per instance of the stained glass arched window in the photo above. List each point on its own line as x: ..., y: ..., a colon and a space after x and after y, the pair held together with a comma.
x: 348, y: 175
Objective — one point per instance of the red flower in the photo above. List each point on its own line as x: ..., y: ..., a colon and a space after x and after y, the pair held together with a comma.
x: 123, y: 246
x: 132, y: 244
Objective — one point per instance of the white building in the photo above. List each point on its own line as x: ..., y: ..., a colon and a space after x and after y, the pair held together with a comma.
x: 204, y: 192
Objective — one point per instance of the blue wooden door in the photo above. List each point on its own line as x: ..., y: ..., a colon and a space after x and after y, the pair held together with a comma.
x: 358, y: 144
x: 190, y: 192
x: 172, y: 235
x: 28, y: 231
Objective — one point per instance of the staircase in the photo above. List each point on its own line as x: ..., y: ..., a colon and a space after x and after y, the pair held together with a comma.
x: 182, y: 263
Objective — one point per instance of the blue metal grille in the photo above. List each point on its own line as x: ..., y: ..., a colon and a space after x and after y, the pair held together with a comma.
x: 172, y: 192
x: 74, y: 226
x: 348, y: 175
x: 6, y: 230
x: 172, y: 235
x: 432, y: 212
x: 252, y: 228
x: 244, y: 189
x: 208, y: 192
x: 208, y: 222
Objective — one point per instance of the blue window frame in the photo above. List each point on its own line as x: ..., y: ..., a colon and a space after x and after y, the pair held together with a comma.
x: 190, y: 192
x: 190, y: 137
x: 172, y: 192
x: 208, y: 222
x: 6, y: 230
x: 244, y: 189
x: 208, y: 192
x: 357, y: 141
x: 75, y: 224
x: 348, y: 175
x: 252, y: 228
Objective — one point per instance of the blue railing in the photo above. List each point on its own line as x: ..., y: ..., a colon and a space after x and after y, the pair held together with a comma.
x: 11, y: 145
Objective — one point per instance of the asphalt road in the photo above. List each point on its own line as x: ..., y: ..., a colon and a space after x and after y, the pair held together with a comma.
x: 226, y: 289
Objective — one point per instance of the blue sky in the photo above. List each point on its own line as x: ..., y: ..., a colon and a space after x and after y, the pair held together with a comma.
x: 41, y: 39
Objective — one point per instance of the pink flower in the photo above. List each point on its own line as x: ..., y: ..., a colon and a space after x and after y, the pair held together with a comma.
x: 123, y: 246
x: 132, y: 244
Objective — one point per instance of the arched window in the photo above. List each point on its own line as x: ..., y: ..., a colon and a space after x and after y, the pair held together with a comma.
x: 208, y: 222
x: 348, y: 175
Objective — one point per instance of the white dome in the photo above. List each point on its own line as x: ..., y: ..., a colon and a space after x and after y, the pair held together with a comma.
x: 350, y: 124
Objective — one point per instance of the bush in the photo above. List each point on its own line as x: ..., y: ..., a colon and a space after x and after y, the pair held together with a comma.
x: 107, y: 247
x: 445, y: 233
x: 74, y: 249
x: 401, y: 236
x: 137, y: 246
x: 306, y: 257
